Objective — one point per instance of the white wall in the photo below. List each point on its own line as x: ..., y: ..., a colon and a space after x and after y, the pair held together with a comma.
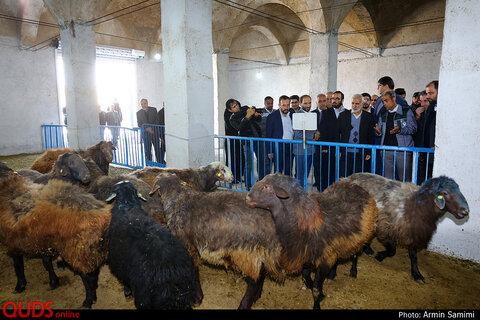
x: 28, y: 91
x: 411, y: 67
x: 458, y: 122
x: 275, y: 81
x: 149, y: 85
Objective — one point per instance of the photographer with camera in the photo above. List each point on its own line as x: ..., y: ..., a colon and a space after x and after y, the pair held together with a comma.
x: 247, y: 122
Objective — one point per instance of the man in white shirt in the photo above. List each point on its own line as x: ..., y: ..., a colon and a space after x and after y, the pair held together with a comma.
x: 279, y: 126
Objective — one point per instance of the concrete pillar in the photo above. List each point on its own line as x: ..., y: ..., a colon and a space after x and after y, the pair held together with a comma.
x: 78, y: 53
x: 188, y: 82
x: 79, y: 57
x: 221, y: 88
x: 457, y: 144
x: 323, y: 62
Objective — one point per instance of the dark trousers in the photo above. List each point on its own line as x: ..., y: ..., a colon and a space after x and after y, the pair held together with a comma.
x: 324, y: 167
x: 354, y: 162
x: 235, y: 158
x: 283, y: 160
x: 425, y: 167
x: 150, y: 139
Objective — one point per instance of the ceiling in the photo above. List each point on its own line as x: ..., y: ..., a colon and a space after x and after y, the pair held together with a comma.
x: 260, y: 30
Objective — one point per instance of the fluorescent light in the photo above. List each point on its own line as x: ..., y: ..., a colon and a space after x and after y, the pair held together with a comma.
x: 259, y: 75
x: 157, y: 56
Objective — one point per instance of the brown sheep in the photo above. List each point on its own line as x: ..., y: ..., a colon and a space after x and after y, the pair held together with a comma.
x: 221, y: 229
x: 101, y: 153
x: 316, y: 230
x: 54, y: 219
x: 201, y: 179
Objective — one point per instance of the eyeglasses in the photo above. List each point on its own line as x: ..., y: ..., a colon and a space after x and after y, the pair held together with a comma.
x: 374, y: 99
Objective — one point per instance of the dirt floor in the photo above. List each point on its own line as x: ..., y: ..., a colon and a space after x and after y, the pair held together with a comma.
x: 449, y: 283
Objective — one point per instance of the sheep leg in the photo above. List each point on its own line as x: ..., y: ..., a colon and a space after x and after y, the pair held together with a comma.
x: 127, y: 292
x: 253, y: 292
x: 390, y: 252
x: 317, y: 290
x: 20, y: 272
x: 90, y: 281
x: 260, y: 282
x: 353, y: 269
x: 48, y: 265
x: 198, y: 297
x: 368, y: 249
x: 307, y: 279
x: 333, y: 271
x: 413, y: 262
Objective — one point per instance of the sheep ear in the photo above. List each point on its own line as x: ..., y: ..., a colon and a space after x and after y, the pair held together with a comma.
x: 440, y: 201
x: 111, y: 197
x: 155, y: 189
x: 139, y: 195
x: 281, y: 193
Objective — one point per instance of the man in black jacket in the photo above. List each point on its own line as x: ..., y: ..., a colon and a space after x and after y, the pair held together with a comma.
x: 148, y: 116
x: 355, y: 127
x: 247, y: 122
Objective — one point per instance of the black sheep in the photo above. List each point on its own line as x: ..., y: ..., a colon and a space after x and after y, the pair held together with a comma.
x: 146, y: 256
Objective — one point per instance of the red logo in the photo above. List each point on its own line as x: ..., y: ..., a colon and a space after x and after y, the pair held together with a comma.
x: 34, y: 309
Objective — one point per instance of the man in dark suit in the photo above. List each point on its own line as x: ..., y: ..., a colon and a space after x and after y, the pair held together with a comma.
x: 148, y: 116
x: 161, y: 121
x: 279, y: 126
x: 356, y: 127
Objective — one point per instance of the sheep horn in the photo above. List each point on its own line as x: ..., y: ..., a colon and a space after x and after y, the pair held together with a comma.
x: 111, y: 197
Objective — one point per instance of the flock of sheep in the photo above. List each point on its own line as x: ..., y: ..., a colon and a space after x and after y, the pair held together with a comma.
x: 154, y: 227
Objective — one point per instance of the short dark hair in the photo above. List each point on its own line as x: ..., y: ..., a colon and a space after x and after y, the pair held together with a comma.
x: 229, y: 102
x: 283, y: 97
x: 400, y: 91
x: 416, y: 94
x: 267, y: 98
x: 303, y: 97
x: 435, y: 84
x: 294, y: 97
x: 343, y: 96
x: 365, y: 94
x: 387, y: 81
x: 423, y: 93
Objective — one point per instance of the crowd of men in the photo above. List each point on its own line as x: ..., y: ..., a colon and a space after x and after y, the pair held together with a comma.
x: 385, y: 119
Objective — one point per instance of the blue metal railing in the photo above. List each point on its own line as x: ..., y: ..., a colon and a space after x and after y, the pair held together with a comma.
x: 319, y: 164
x: 130, y: 147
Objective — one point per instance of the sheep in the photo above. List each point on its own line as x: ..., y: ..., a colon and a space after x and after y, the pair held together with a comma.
x: 221, y: 229
x: 54, y: 219
x: 408, y: 214
x: 103, y: 186
x: 201, y: 179
x: 101, y: 153
x: 315, y: 230
x: 69, y: 167
x: 146, y: 256
x: 29, y: 174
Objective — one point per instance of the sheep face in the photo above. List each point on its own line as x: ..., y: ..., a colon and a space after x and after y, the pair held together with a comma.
x: 447, y: 196
x: 5, y: 171
x: 268, y: 192
x: 72, y: 164
x: 166, y: 181
x: 107, y: 148
x: 222, y: 172
x: 126, y: 195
